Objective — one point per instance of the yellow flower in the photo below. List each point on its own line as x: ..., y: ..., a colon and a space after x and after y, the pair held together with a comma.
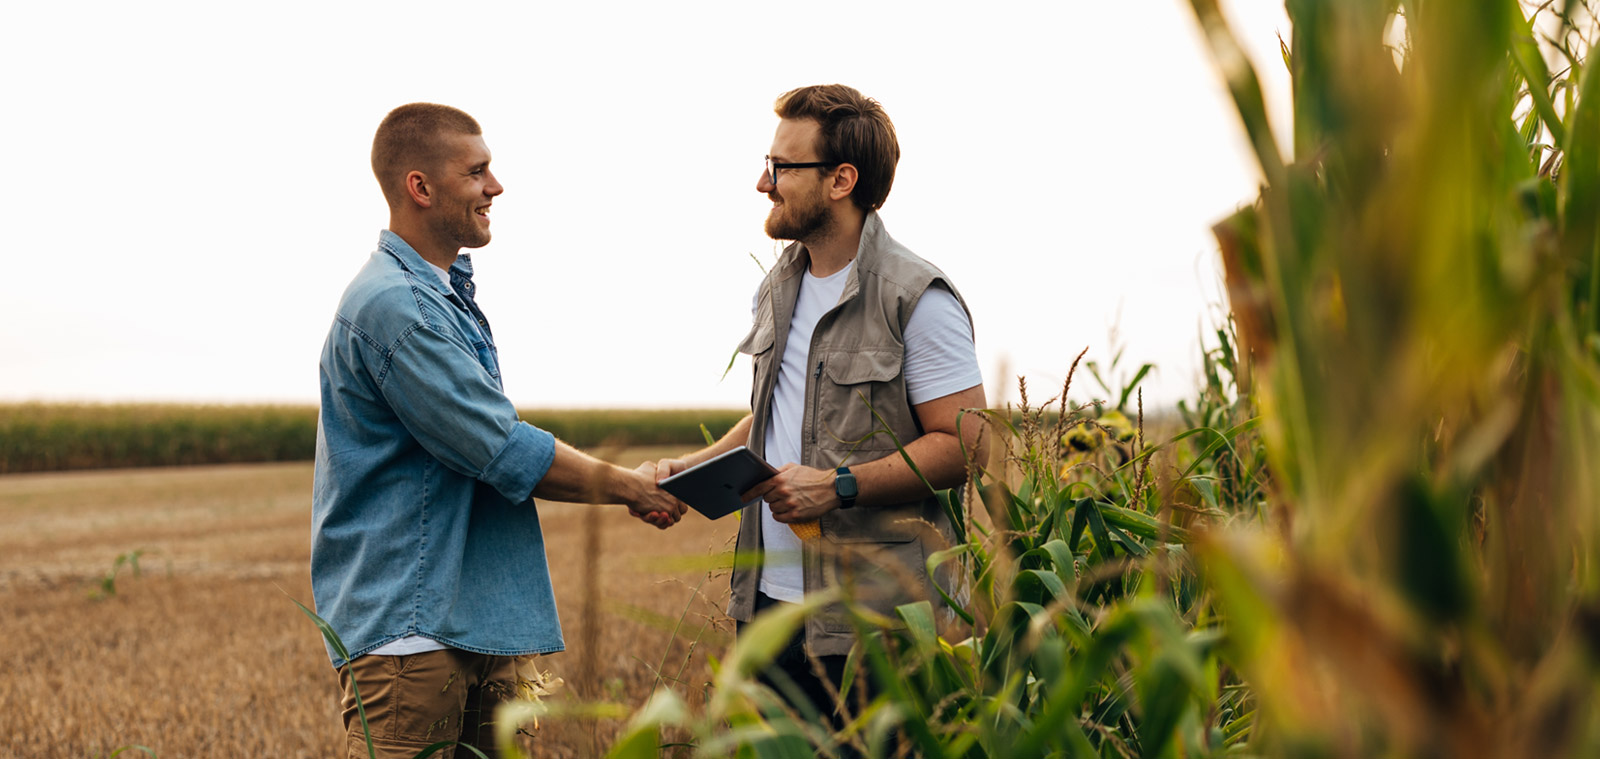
x: 1083, y: 437
x: 1120, y: 425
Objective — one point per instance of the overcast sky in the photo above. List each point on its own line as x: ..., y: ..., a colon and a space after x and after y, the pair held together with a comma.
x: 189, y: 189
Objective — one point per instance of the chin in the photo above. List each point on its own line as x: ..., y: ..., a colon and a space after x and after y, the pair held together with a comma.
x: 777, y: 230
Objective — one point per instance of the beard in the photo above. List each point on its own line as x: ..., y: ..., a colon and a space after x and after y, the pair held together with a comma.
x: 464, y: 230
x: 807, y: 220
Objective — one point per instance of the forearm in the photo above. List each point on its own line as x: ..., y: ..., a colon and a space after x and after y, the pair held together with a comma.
x: 577, y: 477
x: 739, y: 435
x: 891, y: 480
x: 802, y: 493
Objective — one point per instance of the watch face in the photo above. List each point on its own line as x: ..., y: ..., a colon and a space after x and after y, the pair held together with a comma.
x: 845, y: 485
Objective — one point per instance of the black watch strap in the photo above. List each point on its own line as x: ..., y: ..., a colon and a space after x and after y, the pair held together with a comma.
x: 844, y: 485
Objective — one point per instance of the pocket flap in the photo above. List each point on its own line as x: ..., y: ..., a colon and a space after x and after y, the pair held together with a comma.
x: 758, y: 341
x: 852, y: 367
x: 872, y: 525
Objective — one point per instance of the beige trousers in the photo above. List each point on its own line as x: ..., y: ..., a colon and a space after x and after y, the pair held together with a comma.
x: 417, y: 700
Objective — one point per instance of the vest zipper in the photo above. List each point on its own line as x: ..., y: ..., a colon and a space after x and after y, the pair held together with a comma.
x: 816, y: 400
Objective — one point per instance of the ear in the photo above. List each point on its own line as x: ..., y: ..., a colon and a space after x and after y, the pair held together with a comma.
x: 418, y: 190
x: 844, y: 182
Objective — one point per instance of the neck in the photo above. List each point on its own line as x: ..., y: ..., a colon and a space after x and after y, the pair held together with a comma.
x: 437, y: 252
x: 831, y: 253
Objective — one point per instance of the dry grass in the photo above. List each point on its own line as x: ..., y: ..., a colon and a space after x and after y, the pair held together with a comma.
x: 203, y: 656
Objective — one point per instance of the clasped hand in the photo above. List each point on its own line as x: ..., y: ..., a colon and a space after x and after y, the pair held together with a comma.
x: 655, y: 506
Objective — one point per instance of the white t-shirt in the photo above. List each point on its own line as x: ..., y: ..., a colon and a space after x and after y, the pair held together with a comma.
x: 444, y: 276
x: 940, y: 359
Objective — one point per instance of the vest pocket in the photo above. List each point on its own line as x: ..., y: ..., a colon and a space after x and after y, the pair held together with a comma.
x: 879, y: 576
x: 883, y: 524
x: 854, y: 384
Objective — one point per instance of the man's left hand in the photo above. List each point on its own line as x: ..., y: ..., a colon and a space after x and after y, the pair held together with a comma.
x: 797, y: 493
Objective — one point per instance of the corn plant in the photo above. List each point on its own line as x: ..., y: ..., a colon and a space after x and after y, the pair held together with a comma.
x: 1227, y: 474
x: 1418, y: 288
x: 108, y: 583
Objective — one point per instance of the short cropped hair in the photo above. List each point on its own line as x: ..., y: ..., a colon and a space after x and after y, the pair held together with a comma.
x: 855, y: 130
x: 409, y: 139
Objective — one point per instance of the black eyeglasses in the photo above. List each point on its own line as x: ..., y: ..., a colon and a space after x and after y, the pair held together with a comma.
x: 773, y: 166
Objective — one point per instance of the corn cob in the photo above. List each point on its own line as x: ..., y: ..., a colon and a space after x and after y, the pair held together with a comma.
x: 807, y: 530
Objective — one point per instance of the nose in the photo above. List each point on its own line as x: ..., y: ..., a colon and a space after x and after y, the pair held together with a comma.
x: 765, y: 184
x: 493, y: 188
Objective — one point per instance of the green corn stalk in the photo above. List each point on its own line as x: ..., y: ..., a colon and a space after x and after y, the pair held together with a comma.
x: 1417, y: 291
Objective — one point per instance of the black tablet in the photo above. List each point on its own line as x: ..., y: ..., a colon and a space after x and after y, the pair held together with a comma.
x: 712, y: 488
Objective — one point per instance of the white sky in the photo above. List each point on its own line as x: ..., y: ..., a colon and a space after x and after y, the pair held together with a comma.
x: 188, y: 189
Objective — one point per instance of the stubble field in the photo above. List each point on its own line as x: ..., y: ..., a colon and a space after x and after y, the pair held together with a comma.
x: 202, y: 654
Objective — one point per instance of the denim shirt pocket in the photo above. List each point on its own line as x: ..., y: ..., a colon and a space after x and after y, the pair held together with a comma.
x: 488, y: 357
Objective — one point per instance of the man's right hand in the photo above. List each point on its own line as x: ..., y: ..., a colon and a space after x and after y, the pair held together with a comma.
x: 650, y: 503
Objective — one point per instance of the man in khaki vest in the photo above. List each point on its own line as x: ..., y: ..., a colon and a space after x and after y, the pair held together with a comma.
x: 856, y: 343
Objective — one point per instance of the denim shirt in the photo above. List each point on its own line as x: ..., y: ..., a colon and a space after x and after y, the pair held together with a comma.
x: 422, y: 522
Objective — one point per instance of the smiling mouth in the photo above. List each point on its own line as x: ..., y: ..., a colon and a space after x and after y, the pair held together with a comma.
x: 484, y: 212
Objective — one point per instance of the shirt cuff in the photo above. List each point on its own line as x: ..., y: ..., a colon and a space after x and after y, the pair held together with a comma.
x: 521, y: 463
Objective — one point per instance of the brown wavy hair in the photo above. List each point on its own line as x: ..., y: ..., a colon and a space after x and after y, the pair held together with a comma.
x: 855, y: 130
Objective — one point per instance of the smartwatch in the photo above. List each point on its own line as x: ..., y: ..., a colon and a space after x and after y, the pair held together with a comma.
x: 844, y: 485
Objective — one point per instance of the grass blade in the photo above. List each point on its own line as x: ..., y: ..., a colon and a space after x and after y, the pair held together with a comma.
x: 338, y: 647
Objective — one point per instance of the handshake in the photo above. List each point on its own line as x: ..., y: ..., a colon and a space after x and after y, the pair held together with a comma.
x: 648, y: 502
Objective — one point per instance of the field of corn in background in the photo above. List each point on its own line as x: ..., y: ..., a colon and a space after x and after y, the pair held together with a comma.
x: 1373, y: 530
x: 39, y: 437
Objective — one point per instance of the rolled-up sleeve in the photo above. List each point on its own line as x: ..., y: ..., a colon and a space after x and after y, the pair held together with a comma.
x: 456, y: 410
x: 522, y: 462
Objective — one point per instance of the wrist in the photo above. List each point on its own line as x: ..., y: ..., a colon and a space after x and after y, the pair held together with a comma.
x: 845, y: 488
x: 627, y: 486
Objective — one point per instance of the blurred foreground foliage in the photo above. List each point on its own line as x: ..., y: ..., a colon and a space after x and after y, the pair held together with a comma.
x: 1419, y: 291
x: 1376, y: 533
x: 38, y: 437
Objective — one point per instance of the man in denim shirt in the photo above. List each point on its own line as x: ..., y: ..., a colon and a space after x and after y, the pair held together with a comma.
x: 427, y: 558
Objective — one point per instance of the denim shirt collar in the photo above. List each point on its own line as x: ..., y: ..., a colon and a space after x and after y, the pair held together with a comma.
x: 413, y: 262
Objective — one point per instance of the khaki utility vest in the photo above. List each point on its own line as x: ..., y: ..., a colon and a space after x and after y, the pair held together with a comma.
x: 856, y: 357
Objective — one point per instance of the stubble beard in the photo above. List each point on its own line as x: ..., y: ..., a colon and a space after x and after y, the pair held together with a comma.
x: 806, y: 224
x: 466, y: 231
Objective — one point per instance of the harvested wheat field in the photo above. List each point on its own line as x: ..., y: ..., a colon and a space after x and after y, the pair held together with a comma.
x: 201, y: 653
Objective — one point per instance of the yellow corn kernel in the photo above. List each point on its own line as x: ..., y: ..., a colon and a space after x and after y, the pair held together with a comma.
x: 807, y: 530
